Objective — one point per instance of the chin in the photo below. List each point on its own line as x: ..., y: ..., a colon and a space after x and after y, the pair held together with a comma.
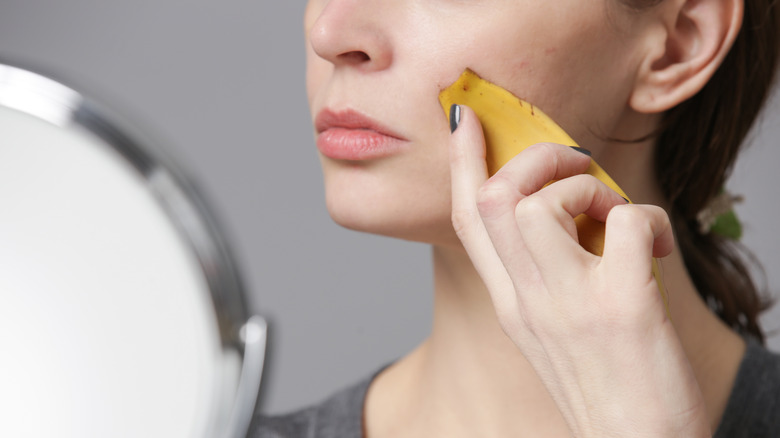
x: 397, y: 218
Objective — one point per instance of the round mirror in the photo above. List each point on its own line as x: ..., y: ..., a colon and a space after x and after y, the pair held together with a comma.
x: 122, y: 312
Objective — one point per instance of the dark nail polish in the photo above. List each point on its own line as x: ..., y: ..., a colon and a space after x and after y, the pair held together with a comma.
x: 454, y: 117
x: 581, y: 150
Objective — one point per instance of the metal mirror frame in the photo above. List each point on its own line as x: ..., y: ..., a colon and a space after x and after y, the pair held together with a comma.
x: 245, y: 333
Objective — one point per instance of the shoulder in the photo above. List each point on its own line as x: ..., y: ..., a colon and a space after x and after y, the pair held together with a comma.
x: 296, y: 424
x: 752, y: 409
x: 341, y: 415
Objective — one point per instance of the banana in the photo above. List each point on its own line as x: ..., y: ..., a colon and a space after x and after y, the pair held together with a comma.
x: 511, y: 125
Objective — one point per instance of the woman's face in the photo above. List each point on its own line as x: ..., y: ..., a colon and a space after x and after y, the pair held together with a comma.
x: 375, y: 69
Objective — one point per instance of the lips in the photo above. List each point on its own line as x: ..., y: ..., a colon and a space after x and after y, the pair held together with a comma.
x: 350, y: 135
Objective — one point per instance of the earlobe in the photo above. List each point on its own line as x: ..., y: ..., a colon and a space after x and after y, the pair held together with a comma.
x: 699, y: 35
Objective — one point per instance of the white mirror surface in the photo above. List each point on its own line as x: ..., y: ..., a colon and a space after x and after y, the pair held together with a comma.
x: 107, y: 324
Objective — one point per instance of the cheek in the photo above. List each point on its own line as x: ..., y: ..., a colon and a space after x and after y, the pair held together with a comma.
x: 575, y: 77
x: 317, y: 73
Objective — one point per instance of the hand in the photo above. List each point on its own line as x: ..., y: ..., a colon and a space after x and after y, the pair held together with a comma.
x: 593, y: 328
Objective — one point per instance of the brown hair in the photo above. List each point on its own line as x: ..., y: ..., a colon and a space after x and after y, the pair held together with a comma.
x: 697, y: 144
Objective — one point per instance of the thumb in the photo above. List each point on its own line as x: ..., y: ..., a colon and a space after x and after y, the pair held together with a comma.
x: 468, y: 168
x: 468, y: 173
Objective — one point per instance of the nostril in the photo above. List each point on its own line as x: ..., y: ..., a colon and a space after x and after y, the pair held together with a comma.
x: 355, y: 56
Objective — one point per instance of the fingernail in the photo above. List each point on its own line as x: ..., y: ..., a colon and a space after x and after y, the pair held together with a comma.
x: 454, y: 117
x: 581, y: 150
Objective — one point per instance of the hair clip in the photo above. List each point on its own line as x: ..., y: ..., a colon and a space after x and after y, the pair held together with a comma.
x: 719, y: 218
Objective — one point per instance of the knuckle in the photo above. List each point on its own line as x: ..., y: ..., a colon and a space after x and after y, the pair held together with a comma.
x: 508, y: 322
x: 514, y: 324
x: 627, y: 217
x: 493, y: 197
x: 546, y: 154
x: 511, y: 319
x: 464, y: 220
x: 544, y: 148
x: 532, y: 207
x: 587, y: 186
x: 586, y: 180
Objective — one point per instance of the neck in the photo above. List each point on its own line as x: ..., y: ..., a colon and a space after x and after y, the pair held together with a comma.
x: 467, y: 378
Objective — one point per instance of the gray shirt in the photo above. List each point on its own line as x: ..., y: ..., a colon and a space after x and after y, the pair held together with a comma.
x: 753, y: 409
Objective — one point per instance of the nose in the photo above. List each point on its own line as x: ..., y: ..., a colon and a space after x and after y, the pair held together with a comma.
x: 351, y: 33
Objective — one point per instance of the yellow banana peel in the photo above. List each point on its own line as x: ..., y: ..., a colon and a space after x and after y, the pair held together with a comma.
x: 511, y: 125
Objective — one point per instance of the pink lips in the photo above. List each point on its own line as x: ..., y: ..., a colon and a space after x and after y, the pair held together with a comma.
x: 350, y: 135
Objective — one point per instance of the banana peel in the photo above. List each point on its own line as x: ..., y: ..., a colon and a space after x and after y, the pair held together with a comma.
x: 510, y: 125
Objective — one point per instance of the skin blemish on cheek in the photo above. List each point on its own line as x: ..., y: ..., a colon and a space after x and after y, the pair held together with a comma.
x: 550, y: 50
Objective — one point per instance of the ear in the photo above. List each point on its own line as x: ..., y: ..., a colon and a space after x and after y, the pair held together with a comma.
x: 698, y: 35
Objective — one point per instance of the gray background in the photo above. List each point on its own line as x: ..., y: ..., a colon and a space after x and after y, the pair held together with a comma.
x: 221, y: 84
